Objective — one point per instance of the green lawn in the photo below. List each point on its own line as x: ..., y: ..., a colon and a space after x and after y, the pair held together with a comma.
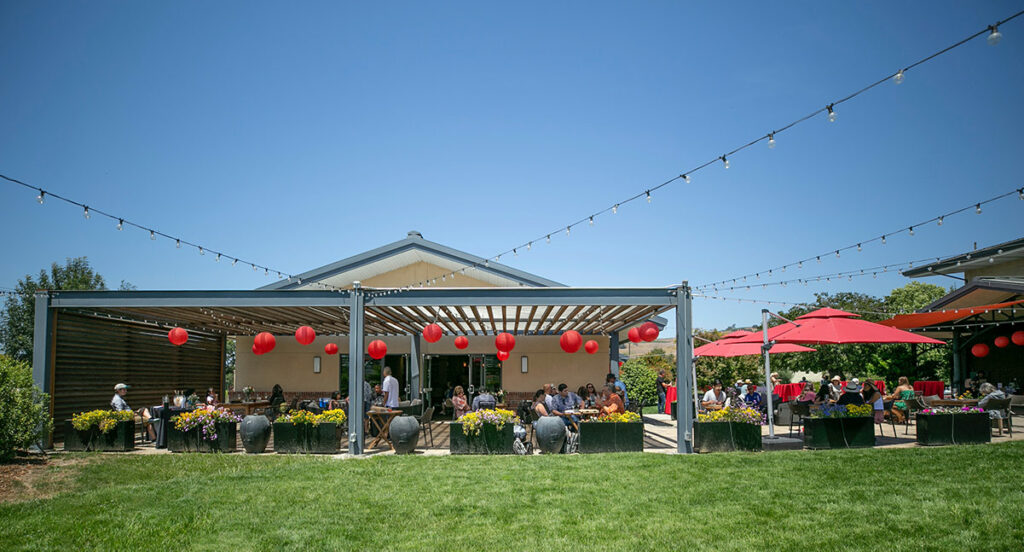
x: 948, y: 498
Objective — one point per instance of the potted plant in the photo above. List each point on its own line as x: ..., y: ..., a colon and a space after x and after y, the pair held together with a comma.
x: 840, y: 426
x: 203, y: 431
x: 248, y: 391
x: 483, y: 432
x: 729, y: 429
x: 302, y: 432
x: 618, y: 432
x: 965, y: 425
x: 100, y: 430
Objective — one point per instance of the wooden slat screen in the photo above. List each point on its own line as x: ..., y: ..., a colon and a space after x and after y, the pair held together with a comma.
x: 93, y: 354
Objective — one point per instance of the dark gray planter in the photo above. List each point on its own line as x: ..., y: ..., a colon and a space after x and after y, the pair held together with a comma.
x: 324, y: 438
x: 954, y: 429
x: 405, y: 434
x: 192, y: 441
x: 119, y: 439
x: 550, y: 433
x: 611, y: 437
x: 726, y: 436
x: 255, y: 433
x: 490, y: 441
x: 826, y: 433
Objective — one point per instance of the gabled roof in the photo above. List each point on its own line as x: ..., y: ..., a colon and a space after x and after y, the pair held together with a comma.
x: 980, y: 291
x: 979, y: 258
x: 413, y: 244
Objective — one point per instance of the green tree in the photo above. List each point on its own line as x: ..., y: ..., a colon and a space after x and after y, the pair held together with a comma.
x: 23, y: 416
x: 229, y: 366
x: 18, y: 316
x: 639, y: 376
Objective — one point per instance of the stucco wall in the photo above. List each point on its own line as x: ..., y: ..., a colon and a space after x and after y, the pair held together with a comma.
x: 1010, y: 268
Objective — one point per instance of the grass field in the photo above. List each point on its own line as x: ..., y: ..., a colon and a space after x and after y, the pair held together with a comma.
x: 948, y: 498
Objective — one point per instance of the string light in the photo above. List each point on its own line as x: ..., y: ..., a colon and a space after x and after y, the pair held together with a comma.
x: 591, y: 220
x: 615, y: 208
x: 686, y: 178
x: 201, y: 252
x: 177, y: 244
x: 725, y: 162
x: 771, y: 140
x: 549, y: 238
x: 911, y: 230
x: 883, y: 239
x: 41, y: 197
x: 568, y: 230
x: 994, y: 36
x: 235, y: 261
x: 899, y: 77
x: 940, y: 220
x: 859, y: 248
x: 85, y: 213
x: 977, y: 209
x: 648, y: 196
x: 152, y: 235
x: 218, y: 260
x: 120, y: 224
x: 831, y: 113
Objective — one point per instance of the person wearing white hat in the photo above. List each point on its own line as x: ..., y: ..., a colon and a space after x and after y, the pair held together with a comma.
x: 118, y: 403
x: 835, y: 388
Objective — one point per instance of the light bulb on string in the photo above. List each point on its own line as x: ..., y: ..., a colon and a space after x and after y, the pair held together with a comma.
x: 859, y: 248
x: 152, y: 235
x: 977, y: 209
x: 177, y: 244
x: 120, y: 224
x: 819, y: 259
x: 42, y: 197
x: 529, y: 246
x: 515, y: 253
x: 1020, y: 194
x: 85, y: 213
x: 911, y: 230
x: 218, y: 260
x: 940, y: 220
x: 201, y: 252
x: 994, y: 36
x: 800, y: 264
x: 591, y: 220
x: 899, y: 77
x: 771, y: 140
x: 266, y: 272
x: 648, y: 196
x: 837, y: 253
x: 991, y: 259
x: 234, y: 262
x: 615, y: 209
x: 549, y: 238
x: 686, y: 178
x: 883, y: 239
x: 831, y: 114
x: 254, y: 268
x: 568, y: 230
x: 725, y: 162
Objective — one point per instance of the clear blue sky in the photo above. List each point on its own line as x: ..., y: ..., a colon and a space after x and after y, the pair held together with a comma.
x: 296, y: 135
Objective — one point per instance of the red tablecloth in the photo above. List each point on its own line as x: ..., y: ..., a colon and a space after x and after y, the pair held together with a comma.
x: 789, y: 391
x: 928, y: 388
x: 670, y: 397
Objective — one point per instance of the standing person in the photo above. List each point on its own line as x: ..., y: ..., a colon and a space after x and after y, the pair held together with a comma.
x: 459, y: 402
x: 714, y: 399
x: 389, y: 388
x: 378, y: 396
x: 874, y: 397
x: 620, y: 387
x: 659, y: 385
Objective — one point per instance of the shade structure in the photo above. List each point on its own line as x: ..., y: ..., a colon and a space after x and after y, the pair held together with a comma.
x: 833, y: 326
x: 922, y: 319
x: 728, y: 347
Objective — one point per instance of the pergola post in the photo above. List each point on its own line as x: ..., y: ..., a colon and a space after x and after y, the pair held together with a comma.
x: 415, y: 358
x: 613, y: 353
x: 355, y: 371
x: 956, y: 377
x: 684, y: 369
x: 42, y: 352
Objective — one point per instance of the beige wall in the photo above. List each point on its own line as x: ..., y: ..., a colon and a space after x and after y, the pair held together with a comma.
x: 1010, y: 268
x: 291, y: 364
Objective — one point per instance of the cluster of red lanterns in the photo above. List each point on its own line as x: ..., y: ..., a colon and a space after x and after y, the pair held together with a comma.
x: 648, y: 331
x: 981, y: 350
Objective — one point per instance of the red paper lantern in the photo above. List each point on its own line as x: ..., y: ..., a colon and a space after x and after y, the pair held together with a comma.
x: 1018, y: 338
x: 505, y: 341
x: 502, y: 355
x: 432, y: 333
x: 377, y: 349
x: 256, y: 350
x: 980, y: 350
x: 461, y: 342
x: 331, y: 348
x: 265, y: 342
x: 305, y: 335
x: 648, y: 331
x: 634, y: 335
x: 621, y: 363
x: 177, y: 336
x: 590, y: 347
x: 1002, y: 341
x: 571, y: 341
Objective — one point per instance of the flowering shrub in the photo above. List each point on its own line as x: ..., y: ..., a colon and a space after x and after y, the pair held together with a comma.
x: 843, y: 411
x: 305, y: 417
x: 473, y: 422
x: 951, y: 410
x: 105, y: 420
x: 205, y: 420
x: 616, y: 417
x: 729, y: 414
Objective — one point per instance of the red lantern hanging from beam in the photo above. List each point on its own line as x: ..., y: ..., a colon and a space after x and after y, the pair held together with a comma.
x: 634, y: 335
x: 305, y: 335
x: 256, y: 350
x: 503, y: 355
x: 1002, y: 341
x: 331, y: 348
x: 980, y: 350
x: 377, y: 349
x: 461, y: 342
x: 1018, y: 338
x: 649, y: 331
x: 432, y: 333
x: 265, y: 342
x: 177, y: 336
x: 590, y: 347
x: 505, y: 342
x: 571, y: 341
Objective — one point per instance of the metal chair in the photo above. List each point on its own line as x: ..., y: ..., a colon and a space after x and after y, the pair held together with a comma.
x: 426, y: 423
x: 914, y: 406
x: 1002, y: 407
x: 799, y: 412
x: 533, y: 422
x: 887, y: 408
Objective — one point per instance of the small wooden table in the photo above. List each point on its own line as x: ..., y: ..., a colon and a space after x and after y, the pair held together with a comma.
x: 953, y: 402
x: 587, y: 413
x: 247, y: 406
x: 381, y: 419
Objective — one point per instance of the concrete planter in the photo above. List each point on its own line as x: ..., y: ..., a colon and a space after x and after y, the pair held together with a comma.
x: 120, y: 439
x: 490, y: 441
x: 954, y: 429
x: 550, y: 433
x: 828, y: 433
x: 726, y: 437
x: 324, y: 438
x: 611, y: 437
x: 255, y: 433
x: 405, y: 434
x: 192, y: 441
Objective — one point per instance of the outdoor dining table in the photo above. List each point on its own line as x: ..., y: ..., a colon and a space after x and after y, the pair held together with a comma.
x: 247, y: 406
x: 381, y: 419
x: 953, y: 402
x: 670, y: 397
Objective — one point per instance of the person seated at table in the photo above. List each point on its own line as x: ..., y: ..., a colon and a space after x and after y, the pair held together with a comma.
x: 610, y: 401
x: 276, y: 397
x: 824, y: 395
x: 565, y: 402
x: 484, y: 400
x: 118, y: 403
x: 335, y: 402
x: 211, y: 397
x: 549, y: 396
x: 808, y: 395
x: 874, y: 397
x: 752, y: 398
x: 620, y: 387
x: 539, y: 406
x: 594, y: 396
x: 836, y: 388
x: 714, y: 399
x: 852, y: 393
x: 459, y: 402
x: 903, y: 392
x: 989, y: 392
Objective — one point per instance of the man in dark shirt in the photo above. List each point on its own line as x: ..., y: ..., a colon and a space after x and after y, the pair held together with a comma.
x: 851, y: 395
x: 659, y: 385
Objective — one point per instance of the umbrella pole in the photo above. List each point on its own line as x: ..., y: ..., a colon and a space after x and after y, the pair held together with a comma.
x: 768, y: 374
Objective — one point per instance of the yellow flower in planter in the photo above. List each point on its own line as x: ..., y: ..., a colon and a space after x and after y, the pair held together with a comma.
x: 105, y: 420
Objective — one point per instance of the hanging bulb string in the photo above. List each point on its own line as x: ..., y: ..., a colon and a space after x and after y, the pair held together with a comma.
x: 910, y: 229
x: 966, y: 311
x: 866, y: 271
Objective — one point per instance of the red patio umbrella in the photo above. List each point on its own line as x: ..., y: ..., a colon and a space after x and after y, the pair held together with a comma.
x: 727, y: 346
x: 833, y: 326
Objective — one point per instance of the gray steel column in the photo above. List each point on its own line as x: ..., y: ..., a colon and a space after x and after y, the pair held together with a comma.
x: 42, y: 352
x: 613, y: 353
x: 684, y: 369
x: 415, y: 358
x: 957, y: 376
x: 355, y: 371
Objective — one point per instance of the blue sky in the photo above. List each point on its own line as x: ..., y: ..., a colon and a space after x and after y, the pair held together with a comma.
x: 298, y: 135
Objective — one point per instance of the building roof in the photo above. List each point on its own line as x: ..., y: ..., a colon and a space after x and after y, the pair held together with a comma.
x: 408, y: 251
x: 971, y: 260
x: 981, y: 291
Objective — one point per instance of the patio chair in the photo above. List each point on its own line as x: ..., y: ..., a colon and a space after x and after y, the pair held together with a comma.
x: 1002, y: 408
x: 887, y: 408
x: 533, y: 422
x: 1016, y: 404
x: 427, y: 425
x: 799, y: 412
x: 914, y: 406
x: 449, y: 406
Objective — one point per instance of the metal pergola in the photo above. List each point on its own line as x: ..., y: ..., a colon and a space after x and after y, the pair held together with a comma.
x: 360, y: 312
